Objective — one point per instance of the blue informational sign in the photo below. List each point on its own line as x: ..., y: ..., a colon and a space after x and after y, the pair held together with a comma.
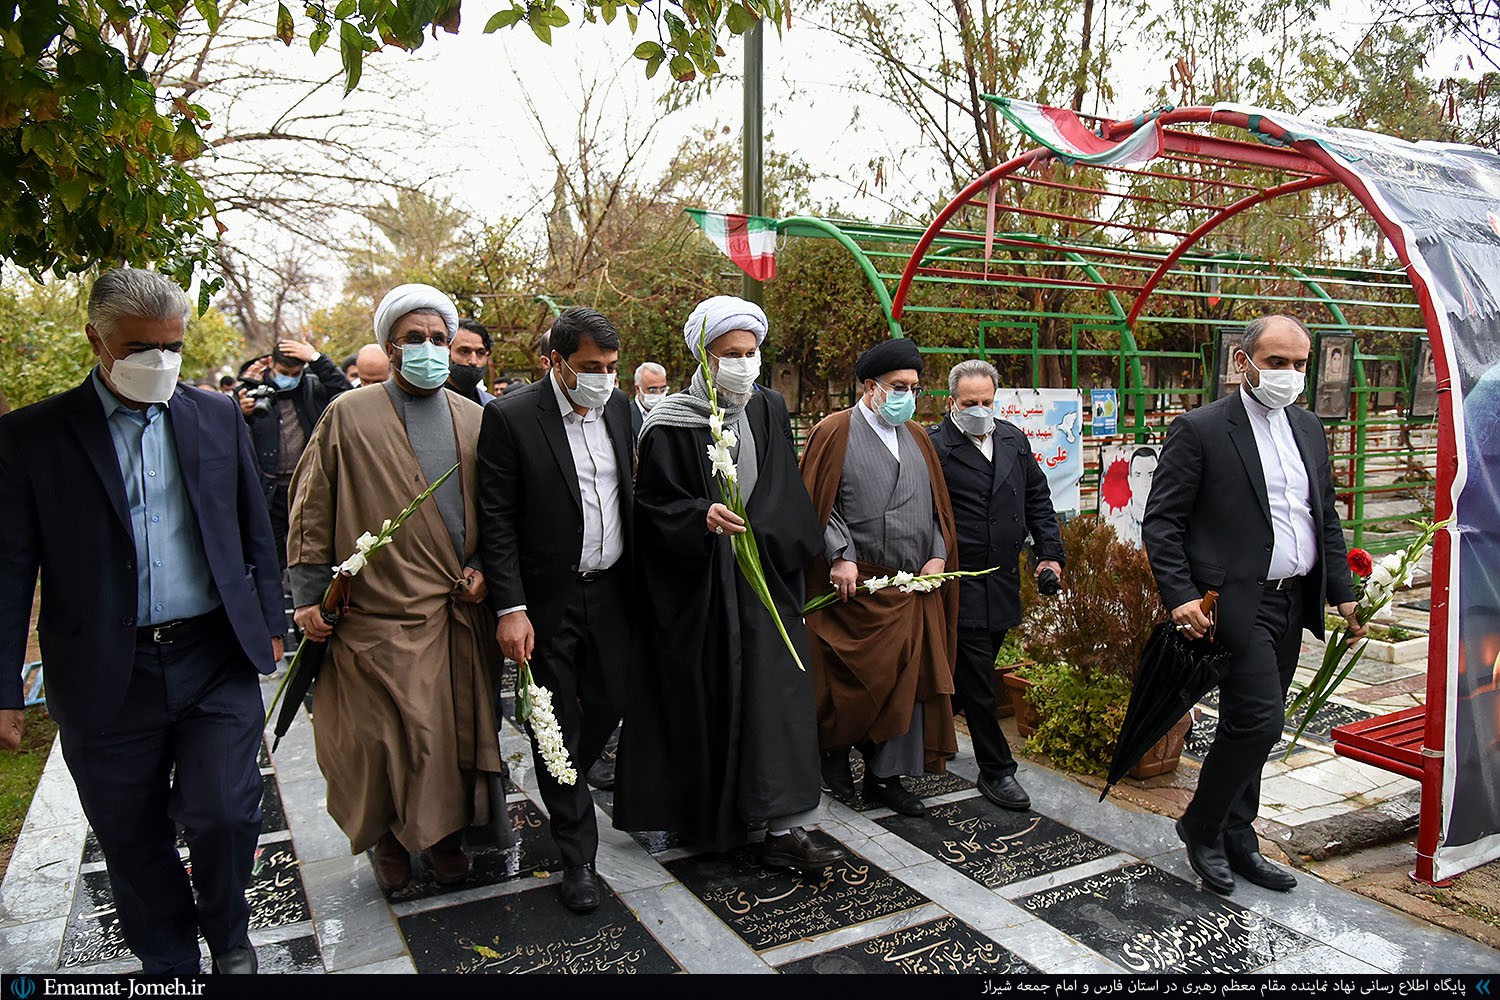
x: 1105, y: 405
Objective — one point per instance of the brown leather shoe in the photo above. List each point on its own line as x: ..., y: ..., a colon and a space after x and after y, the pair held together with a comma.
x: 450, y: 865
x: 392, y: 864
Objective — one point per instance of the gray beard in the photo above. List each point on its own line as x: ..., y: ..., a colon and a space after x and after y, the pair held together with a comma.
x: 737, y: 400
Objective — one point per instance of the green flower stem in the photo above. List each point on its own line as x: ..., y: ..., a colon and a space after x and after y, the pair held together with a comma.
x: 831, y: 598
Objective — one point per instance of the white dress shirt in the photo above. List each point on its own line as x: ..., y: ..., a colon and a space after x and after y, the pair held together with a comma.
x: 986, y: 445
x: 886, y: 432
x: 1295, y: 549
x: 598, y: 483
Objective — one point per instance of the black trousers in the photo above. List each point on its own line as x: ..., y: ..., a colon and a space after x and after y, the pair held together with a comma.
x: 181, y: 752
x: 278, y: 505
x: 583, y: 665
x: 974, y: 695
x: 1252, y: 714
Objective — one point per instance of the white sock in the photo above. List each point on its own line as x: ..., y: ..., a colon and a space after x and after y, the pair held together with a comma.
x: 778, y: 833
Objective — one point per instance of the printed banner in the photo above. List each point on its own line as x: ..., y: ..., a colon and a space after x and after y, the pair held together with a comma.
x: 1125, y: 474
x: 1052, y: 420
x: 1105, y: 405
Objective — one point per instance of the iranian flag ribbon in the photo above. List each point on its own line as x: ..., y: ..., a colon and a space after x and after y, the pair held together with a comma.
x: 748, y: 240
x: 1061, y: 131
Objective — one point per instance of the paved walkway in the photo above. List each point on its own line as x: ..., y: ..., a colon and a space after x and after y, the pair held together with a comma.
x: 1073, y: 886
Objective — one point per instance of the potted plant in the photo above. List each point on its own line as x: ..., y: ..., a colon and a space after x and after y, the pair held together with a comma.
x: 1084, y: 646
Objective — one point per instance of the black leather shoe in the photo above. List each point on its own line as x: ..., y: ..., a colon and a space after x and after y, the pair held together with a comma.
x: 1209, y: 862
x: 239, y: 961
x: 1256, y: 869
x: 580, y: 889
x: 602, y: 772
x: 1005, y: 791
x: 890, y: 793
x: 838, y: 780
x: 795, y: 849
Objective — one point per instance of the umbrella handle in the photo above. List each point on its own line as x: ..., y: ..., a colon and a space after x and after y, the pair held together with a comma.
x: 1207, y: 606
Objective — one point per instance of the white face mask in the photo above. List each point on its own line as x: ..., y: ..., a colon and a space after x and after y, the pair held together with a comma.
x: 145, y: 376
x: 650, y: 399
x: 737, y: 375
x: 975, y: 421
x: 1279, y: 387
x: 593, y: 389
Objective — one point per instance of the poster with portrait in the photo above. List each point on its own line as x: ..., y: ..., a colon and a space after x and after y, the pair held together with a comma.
x: 1226, y: 375
x: 1388, y: 378
x: 1335, y: 354
x: 1125, y: 473
x: 1052, y: 420
x: 1105, y: 404
x: 1423, y: 380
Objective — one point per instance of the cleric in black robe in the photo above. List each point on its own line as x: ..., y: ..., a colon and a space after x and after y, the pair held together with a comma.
x: 721, y: 730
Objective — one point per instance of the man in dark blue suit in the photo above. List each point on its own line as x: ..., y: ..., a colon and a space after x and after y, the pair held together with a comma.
x: 139, y: 502
x: 1000, y: 495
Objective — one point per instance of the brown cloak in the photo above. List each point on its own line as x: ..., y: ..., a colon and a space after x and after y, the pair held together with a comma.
x: 404, y: 716
x: 877, y: 655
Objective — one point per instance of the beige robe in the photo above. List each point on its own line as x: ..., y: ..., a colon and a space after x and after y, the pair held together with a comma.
x: 403, y: 710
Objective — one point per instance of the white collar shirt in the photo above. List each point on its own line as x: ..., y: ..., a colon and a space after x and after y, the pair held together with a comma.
x: 986, y: 445
x: 886, y: 432
x: 1295, y: 548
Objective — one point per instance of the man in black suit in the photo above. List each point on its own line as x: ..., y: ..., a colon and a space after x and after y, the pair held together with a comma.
x: 139, y: 502
x: 1243, y: 503
x: 555, y: 462
x: 999, y: 494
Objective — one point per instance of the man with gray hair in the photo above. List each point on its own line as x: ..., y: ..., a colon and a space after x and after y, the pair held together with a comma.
x: 999, y: 495
x: 138, y: 501
x: 650, y: 388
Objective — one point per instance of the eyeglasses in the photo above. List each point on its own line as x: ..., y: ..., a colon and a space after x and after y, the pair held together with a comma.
x: 915, y: 390
x: 413, y: 338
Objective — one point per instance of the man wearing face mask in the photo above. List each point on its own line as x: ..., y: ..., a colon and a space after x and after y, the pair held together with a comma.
x: 882, y: 662
x: 650, y: 389
x: 999, y: 495
x: 406, y: 730
x: 719, y: 704
x: 279, y: 432
x: 469, y: 361
x: 138, y: 502
x: 555, y: 459
x: 1243, y: 503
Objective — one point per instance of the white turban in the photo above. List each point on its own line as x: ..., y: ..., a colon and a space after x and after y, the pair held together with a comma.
x: 404, y: 299
x: 717, y: 316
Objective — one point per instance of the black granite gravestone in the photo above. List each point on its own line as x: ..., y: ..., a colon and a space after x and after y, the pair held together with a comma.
x: 1148, y: 921
x: 533, y: 932
x: 770, y: 907
x: 939, y: 947
x: 488, y: 864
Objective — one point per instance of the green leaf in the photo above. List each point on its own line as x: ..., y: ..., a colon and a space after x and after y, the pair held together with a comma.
x: 558, y: 17
x: 632, y: 18
x: 286, y: 28
x: 352, y: 52
x: 345, y: 8
x: 209, y: 11
x: 653, y: 64
x: 504, y: 19
x: 608, y: 9
x: 682, y: 69
x: 649, y: 50
x: 541, y: 25
x: 318, y: 37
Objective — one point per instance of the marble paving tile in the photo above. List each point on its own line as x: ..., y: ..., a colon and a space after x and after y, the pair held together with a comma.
x: 944, y: 946
x: 697, y: 940
x: 42, y: 873
x: 770, y: 907
x: 1339, y: 774
x: 298, y: 955
x: 31, y: 947
x: 1320, y: 961
x: 533, y: 932
x: 995, y: 846
x: 55, y: 801
x: 1043, y: 946
x: 353, y: 921
x: 1289, y: 791
x: 1135, y: 832
x: 626, y: 863
x: 317, y: 836
x: 1150, y: 922
x: 966, y: 899
x: 402, y: 966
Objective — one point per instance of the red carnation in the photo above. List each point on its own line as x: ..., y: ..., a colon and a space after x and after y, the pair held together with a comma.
x: 1360, y: 562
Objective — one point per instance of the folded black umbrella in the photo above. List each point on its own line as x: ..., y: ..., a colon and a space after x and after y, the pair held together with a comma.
x: 1173, y: 674
x: 308, y: 662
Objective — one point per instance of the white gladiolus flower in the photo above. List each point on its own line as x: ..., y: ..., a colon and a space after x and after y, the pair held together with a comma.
x: 727, y: 438
x: 549, y: 740
x: 723, y: 465
x: 364, y: 543
x: 353, y: 564
x: 385, y: 526
x: 902, y: 579
x: 1380, y: 578
x: 1392, y: 563
x: 716, y: 424
x: 875, y: 583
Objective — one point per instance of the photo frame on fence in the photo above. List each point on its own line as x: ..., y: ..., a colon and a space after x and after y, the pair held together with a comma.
x: 1388, y: 378
x: 1226, y: 376
x: 1423, y: 380
x: 1331, y: 392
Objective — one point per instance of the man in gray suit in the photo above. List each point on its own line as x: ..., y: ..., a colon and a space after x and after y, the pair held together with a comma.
x: 883, y: 661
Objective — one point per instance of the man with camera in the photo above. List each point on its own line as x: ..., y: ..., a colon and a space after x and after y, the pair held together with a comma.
x: 281, y: 405
x: 999, y: 494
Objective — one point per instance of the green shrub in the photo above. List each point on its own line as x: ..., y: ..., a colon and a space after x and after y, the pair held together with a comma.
x: 1080, y: 715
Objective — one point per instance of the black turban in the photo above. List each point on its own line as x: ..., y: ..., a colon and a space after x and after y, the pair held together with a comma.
x: 888, y: 356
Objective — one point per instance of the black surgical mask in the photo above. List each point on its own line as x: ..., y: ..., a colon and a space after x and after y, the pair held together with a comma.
x: 466, y: 377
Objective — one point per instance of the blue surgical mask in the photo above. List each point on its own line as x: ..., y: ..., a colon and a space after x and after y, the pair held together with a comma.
x: 284, y: 383
x: 899, y: 406
x: 424, y: 365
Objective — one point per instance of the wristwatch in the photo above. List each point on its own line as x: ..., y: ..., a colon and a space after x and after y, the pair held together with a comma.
x: 316, y: 356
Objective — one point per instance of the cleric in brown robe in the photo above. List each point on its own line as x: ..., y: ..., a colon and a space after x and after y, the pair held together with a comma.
x: 404, y: 707
x: 721, y: 731
x: 883, y: 662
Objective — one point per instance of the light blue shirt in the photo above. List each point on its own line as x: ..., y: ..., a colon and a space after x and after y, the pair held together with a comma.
x: 172, y: 576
